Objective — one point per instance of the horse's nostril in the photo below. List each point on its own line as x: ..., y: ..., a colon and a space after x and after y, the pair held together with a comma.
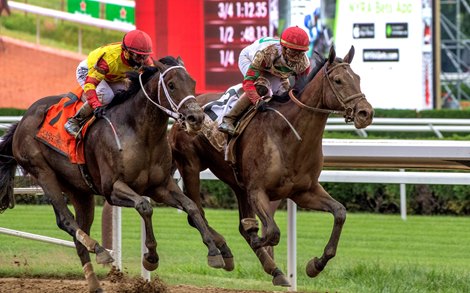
x: 191, y: 119
x: 363, y: 114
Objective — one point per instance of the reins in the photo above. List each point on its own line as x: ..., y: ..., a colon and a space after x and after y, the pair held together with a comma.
x: 161, y: 84
x: 347, y: 112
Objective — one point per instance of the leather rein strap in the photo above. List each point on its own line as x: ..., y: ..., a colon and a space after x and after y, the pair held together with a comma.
x: 347, y: 110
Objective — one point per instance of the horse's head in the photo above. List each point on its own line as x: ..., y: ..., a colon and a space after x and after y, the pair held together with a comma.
x: 176, y: 90
x: 343, y: 91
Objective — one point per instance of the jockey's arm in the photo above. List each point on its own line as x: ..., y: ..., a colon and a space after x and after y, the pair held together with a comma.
x: 249, y: 84
x: 95, y: 75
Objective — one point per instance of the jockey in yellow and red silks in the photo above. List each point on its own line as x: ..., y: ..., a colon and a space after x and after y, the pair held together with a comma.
x: 103, y: 73
x: 267, y: 65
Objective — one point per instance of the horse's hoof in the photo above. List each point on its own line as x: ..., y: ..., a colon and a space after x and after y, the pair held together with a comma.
x: 150, y: 263
x: 281, y: 280
x: 103, y: 256
x: 97, y: 290
x: 216, y: 261
x: 311, y: 269
x: 229, y: 264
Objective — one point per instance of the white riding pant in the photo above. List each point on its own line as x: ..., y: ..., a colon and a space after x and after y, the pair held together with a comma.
x: 105, y: 90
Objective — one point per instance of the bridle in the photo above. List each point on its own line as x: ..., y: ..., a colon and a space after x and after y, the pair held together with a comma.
x: 174, y: 112
x: 348, y: 112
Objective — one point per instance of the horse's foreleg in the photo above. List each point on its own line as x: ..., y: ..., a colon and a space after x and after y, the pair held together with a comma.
x: 260, y: 201
x: 123, y: 195
x: 84, y: 213
x: 173, y: 196
x: 249, y: 231
x: 191, y: 183
x: 320, y: 200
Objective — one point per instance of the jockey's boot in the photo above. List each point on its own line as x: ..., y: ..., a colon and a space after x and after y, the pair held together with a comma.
x: 227, y: 125
x: 73, y: 123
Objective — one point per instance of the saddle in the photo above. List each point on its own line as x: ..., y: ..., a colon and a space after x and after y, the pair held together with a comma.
x: 53, y: 134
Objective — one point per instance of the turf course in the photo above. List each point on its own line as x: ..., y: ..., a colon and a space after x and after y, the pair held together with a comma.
x: 377, y: 253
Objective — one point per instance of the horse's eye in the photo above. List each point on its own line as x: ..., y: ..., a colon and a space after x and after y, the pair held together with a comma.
x: 171, y: 86
x: 337, y: 79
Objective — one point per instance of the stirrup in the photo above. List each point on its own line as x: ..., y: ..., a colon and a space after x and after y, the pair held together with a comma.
x: 72, y: 128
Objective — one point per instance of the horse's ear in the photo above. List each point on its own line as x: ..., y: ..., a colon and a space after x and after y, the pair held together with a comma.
x: 332, y: 54
x: 180, y: 60
x: 349, y: 57
x: 159, y: 65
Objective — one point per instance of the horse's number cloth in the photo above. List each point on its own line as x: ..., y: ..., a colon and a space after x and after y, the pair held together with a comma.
x: 53, y: 134
x: 217, y: 109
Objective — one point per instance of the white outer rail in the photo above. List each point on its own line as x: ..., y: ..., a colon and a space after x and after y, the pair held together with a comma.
x: 78, y: 18
x: 435, y: 125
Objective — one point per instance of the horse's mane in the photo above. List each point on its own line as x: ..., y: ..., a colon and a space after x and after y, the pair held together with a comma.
x: 134, y: 86
x: 300, y: 84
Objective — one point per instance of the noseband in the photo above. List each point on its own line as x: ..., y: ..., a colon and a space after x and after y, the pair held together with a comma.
x: 348, y: 112
x: 174, y: 113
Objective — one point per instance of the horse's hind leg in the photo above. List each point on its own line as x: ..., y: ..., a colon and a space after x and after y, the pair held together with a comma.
x: 65, y: 219
x: 84, y: 212
x: 320, y: 200
x: 192, y: 184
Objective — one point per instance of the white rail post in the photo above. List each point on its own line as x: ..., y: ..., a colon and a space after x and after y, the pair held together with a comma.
x: 403, y: 198
x: 292, y: 244
x: 117, y: 237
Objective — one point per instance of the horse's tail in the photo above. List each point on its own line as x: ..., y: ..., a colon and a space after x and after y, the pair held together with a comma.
x: 7, y: 170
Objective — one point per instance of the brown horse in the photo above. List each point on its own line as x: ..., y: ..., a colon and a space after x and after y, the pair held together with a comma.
x: 276, y: 161
x: 128, y: 157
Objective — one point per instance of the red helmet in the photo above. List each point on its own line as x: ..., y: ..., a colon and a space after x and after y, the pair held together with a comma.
x: 137, y: 42
x: 295, y: 38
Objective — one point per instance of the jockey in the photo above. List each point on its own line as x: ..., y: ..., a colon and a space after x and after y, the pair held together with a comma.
x: 103, y: 73
x: 267, y: 65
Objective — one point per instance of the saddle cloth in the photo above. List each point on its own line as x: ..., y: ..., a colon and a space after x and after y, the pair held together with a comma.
x: 215, y: 111
x: 53, y: 134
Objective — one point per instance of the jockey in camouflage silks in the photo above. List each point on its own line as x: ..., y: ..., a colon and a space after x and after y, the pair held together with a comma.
x: 267, y: 65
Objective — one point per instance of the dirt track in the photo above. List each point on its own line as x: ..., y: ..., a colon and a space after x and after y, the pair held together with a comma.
x: 20, y: 285
x: 29, y: 72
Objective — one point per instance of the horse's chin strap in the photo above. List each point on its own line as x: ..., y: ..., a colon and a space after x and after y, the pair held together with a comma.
x: 161, y: 84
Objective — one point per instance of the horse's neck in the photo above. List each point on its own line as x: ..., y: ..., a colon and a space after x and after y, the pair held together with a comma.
x: 308, y: 123
x: 149, y: 122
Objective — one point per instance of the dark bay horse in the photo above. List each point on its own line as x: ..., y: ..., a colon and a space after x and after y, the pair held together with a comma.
x: 275, y: 162
x: 128, y: 157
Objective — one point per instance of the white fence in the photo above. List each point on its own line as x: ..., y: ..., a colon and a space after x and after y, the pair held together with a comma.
x: 435, y: 125
x: 77, y: 18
